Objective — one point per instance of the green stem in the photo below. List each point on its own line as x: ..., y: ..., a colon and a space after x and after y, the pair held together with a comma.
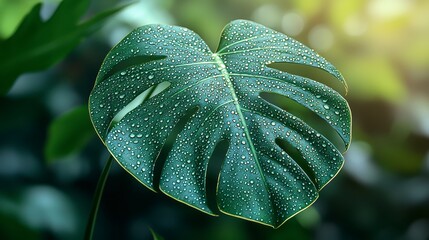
x: 97, y: 198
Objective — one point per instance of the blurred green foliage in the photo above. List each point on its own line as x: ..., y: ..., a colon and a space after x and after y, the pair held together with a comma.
x: 9, y: 20
x: 380, y: 46
x: 68, y: 133
x: 37, y: 44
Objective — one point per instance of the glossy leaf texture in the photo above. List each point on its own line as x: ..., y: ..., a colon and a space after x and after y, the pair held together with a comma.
x: 38, y: 44
x: 258, y: 180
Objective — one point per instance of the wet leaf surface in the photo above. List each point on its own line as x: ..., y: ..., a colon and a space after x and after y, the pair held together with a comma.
x: 260, y: 179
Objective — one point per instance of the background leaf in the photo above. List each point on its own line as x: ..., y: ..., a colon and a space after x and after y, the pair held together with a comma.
x: 261, y: 179
x: 10, y: 19
x: 68, y: 133
x: 38, y: 44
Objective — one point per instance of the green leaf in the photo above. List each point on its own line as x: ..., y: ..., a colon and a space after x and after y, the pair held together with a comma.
x: 11, y: 19
x: 68, y: 133
x: 38, y: 44
x: 258, y: 180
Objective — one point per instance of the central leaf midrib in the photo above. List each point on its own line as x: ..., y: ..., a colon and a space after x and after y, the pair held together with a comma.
x: 222, y: 68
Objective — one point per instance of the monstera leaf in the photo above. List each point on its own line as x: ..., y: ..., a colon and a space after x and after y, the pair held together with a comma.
x: 259, y: 180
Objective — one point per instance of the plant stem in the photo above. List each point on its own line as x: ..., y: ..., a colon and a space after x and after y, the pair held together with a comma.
x: 97, y: 198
